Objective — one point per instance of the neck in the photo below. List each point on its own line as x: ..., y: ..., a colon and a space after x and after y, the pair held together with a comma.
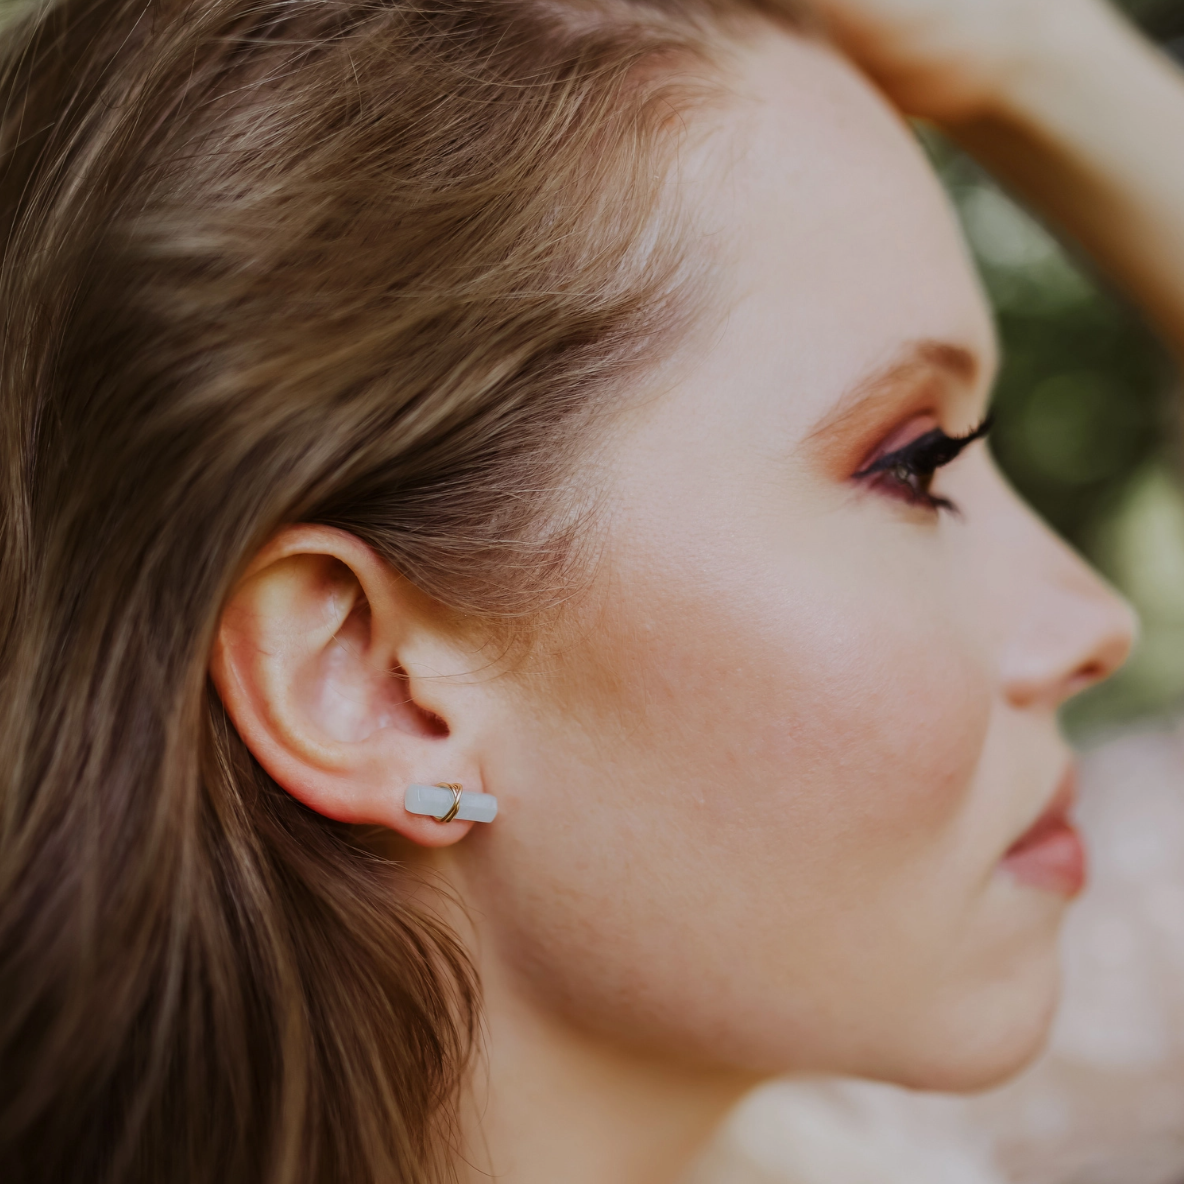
x: 551, y: 1103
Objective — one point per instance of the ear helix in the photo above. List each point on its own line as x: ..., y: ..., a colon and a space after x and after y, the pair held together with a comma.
x: 447, y: 801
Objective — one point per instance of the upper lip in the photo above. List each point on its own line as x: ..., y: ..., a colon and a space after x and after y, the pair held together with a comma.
x: 1054, y: 814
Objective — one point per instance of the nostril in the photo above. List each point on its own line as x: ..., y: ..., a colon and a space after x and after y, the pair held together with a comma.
x: 1075, y: 640
x: 1087, y: 676
x: 1109, y: 655
x: 1046, y: 673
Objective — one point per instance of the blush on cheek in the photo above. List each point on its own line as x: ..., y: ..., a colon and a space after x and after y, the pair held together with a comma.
x: 812, y: 728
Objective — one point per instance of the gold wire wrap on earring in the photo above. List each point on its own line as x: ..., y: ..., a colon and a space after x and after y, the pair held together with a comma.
x: 456, y: 792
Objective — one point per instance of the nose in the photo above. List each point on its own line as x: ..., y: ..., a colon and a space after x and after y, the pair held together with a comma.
x: 1073, y: 630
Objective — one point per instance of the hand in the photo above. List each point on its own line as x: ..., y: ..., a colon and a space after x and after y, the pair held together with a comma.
x: 956, y: 60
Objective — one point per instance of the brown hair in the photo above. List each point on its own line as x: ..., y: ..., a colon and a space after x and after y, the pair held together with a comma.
x: 358, y: 262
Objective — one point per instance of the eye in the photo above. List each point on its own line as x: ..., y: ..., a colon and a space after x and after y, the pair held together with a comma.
x: 907, y: 472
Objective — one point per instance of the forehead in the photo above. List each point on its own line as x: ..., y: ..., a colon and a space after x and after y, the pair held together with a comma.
x: 837, y: 248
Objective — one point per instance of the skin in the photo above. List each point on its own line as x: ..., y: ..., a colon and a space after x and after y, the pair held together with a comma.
x: 756, y: 792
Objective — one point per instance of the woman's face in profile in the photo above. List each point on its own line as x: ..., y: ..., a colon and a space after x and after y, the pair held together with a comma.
x: 758, y: 804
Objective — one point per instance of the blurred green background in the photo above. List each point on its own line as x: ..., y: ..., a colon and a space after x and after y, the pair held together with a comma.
x: 1088, y: 407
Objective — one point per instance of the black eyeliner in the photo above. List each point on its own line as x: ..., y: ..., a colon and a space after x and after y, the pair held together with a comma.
x: 927, y: 452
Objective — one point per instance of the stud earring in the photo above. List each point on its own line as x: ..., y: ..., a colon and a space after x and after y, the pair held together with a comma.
x: 448, y: 800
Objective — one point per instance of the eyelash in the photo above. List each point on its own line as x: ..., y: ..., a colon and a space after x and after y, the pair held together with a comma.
x: 908, y: 472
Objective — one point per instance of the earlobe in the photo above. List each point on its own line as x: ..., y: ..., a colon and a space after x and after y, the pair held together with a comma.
x: 316, y: 662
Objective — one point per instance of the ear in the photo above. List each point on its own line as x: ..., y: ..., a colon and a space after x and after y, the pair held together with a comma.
x: 335, y: 671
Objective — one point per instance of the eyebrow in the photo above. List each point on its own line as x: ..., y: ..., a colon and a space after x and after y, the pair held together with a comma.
x: 917, y: 362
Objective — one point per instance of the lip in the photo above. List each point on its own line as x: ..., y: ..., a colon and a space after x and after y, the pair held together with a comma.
x: 1050, y: 854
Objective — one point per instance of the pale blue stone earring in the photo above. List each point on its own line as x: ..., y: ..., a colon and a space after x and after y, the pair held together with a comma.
x: 447, y: 801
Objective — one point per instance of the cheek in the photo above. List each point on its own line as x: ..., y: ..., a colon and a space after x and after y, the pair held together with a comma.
x: 729, y: 765
x: 799, y: 713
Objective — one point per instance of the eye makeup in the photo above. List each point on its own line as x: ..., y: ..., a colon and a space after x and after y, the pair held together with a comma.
x: 907, y: 472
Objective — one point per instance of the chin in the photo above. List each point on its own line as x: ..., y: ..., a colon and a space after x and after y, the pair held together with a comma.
x: 988, y: 1040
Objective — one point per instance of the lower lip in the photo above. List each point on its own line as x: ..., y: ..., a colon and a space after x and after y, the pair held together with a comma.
x: 1051, y: 857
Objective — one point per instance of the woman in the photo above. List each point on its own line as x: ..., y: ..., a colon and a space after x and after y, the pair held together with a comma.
x: 577, y: 403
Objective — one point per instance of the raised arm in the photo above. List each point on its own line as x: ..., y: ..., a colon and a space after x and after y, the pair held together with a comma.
x: 1066, y: 102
